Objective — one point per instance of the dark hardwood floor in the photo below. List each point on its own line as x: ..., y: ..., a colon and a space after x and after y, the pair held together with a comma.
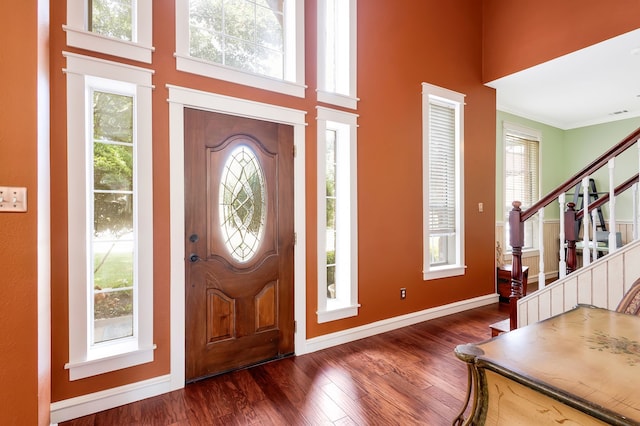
x: 408, y: 376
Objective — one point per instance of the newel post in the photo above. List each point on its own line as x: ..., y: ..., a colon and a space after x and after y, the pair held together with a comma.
x: 571, y: 237
x: 516, y: 239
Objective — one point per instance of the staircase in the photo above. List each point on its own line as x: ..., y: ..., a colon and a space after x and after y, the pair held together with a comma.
x: 602, y: 283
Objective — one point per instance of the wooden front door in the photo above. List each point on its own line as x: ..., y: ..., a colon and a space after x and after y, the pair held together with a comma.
x: 238, y: 243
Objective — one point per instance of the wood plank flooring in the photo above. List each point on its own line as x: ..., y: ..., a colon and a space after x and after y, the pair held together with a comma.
x: 408, y: 376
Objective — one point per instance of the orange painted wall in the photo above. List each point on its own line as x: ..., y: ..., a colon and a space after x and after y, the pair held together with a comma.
x: 520, y: 34
x: 19, y: 402
x: 399, y: 48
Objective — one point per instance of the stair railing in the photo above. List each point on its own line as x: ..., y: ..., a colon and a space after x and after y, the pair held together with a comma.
x: 568, y: 263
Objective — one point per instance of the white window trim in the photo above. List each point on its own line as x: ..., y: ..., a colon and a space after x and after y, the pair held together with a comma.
x: 346, y: 125
x: 139, y: 50
x: 431, y: 92
x: 346, y: 100
x: 83, y: 360
x: 292, y: 85
x: 532, y: 134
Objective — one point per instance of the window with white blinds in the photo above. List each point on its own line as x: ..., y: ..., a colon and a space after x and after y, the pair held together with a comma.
x: 442, y: 182
x: 521, y: 176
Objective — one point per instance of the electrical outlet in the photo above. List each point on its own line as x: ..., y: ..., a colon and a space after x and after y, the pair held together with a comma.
x: 403, y: 293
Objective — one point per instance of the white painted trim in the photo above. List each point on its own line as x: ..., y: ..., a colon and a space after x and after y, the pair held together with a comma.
x: 179, y: 98
x: 368, y: 330
x: 346, y: 302
x: 79, y: 406
x: 83, y: 74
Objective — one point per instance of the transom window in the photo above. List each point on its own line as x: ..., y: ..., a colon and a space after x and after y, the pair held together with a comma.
x: 244, y: 34
x: 258, y: 43
x: 337, y: 52
x: 112, y: 18
x: 120, y: 28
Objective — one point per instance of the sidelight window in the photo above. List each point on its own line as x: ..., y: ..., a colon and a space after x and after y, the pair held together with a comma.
x: 337, y: 215
x: 110, y: 216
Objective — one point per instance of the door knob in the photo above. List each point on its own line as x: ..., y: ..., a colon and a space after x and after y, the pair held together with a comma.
x: 193, y: 257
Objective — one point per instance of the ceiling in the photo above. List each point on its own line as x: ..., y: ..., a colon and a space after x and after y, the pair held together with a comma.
x: 595, y: 85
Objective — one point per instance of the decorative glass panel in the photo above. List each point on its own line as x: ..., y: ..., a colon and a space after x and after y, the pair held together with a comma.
x: 112, y: 18
x: 112, y: 244
x: 242, y: 203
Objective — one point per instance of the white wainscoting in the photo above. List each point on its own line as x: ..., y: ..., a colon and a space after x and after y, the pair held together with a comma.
x: 602, y: 284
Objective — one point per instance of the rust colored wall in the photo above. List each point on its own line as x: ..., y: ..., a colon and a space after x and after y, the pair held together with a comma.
x: 520, y: 34
x: 19, y: 402
x: 399, y: 48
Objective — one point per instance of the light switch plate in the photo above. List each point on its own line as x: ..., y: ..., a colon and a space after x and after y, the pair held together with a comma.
x: 13, y: 199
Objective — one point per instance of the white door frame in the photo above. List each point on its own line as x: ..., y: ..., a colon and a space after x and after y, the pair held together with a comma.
x: 179, y: 98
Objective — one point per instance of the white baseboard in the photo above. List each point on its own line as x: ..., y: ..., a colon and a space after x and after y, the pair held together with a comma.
x: 368, y: 330
x: 73, y: 408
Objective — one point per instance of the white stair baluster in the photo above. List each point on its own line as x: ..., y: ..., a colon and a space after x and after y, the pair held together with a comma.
x: 562, y: 265
x: 612, y: 209
x: 541, y: 277
x: 595, y: 240
x: 586, y: 253
x: 634, y: 192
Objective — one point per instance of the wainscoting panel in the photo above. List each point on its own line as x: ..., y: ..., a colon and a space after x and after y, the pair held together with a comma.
x: 602, y: 284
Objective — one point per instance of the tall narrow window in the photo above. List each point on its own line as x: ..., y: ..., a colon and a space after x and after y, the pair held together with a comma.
x: 110, y: 216
x: 521, y: 177
x: 253, y: 42
x: 112, y: 239
x: 337, y: 215
x: 443, y: 224
x: 116, y: 27
x: 337, y: 64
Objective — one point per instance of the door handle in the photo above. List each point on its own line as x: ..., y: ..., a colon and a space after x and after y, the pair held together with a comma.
x: 193, y: 258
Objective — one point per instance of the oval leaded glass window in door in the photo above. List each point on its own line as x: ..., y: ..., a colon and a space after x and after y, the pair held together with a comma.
x: 242, y: 203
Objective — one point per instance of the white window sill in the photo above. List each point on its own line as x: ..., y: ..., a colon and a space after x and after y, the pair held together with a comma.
x: 88, y: 368
x: 444, y: 272
x: 337, y: 313
x: 337, y: 99
x: 221, y: 72
x: 111, y: 46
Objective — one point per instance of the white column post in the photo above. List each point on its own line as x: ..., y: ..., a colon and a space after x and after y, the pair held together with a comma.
x: 562, y: 265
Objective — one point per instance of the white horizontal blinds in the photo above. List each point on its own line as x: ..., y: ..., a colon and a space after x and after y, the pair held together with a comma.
x: 521, y: 177
x: 442, y: 169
